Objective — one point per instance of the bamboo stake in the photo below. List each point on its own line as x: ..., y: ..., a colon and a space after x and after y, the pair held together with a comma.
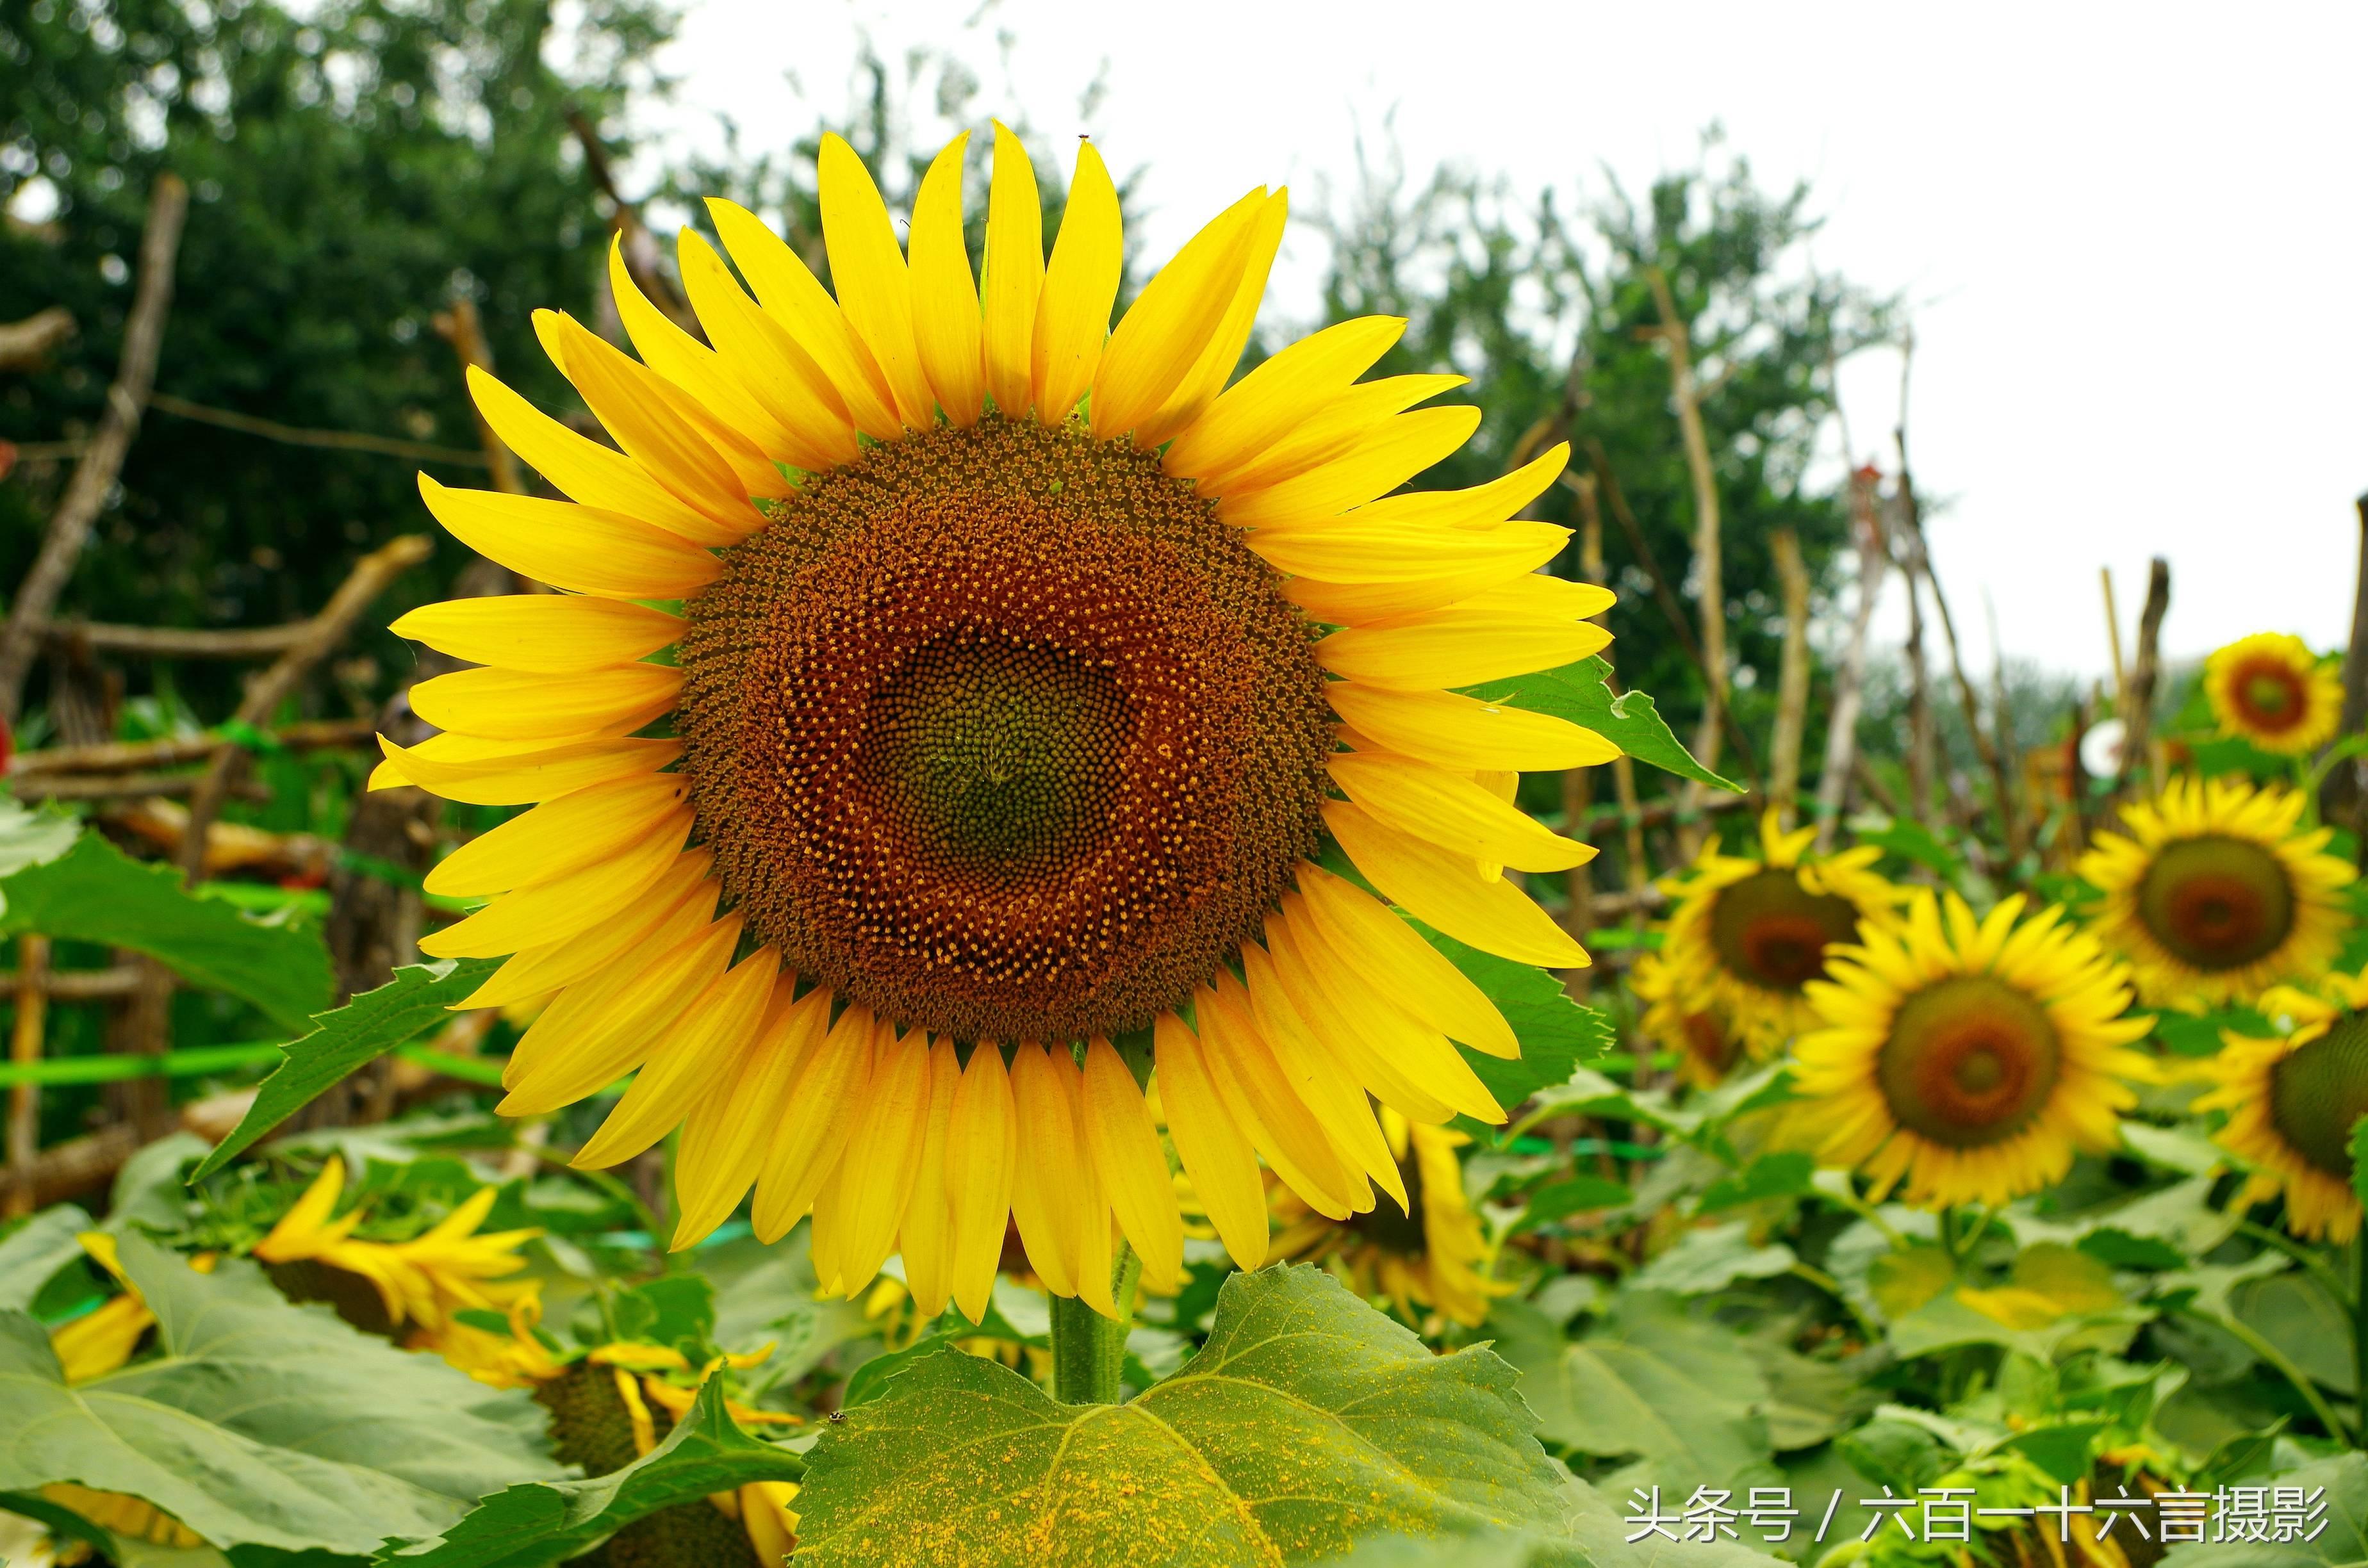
x: 1712, y: 584
x: 1834, y: 776
x: 459, y: 326
x: 94, y: 476
x: 24, y: 1047
x: 2343, y: 792
x: 1793, y: 676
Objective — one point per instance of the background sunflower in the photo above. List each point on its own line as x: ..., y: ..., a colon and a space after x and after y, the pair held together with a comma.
x: 2293, y: 1100
x: 2272, y: 690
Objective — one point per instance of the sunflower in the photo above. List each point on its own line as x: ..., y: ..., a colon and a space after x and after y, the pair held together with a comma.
x: 1431, y: 1254
x: 2217, y: 892
x: 1968, y: 1058
x: 1746, y: 935
x: 2291, y: 1102
x: 1683, y: 1023
x: 382, y: 1286
x: 2273, y: 691
x: 1012, y: 661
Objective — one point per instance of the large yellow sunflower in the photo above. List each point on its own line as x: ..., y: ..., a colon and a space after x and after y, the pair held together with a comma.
x: 1680, y: 1021
x: 2272, y: 690
x: 1968, y: 1059
x: 2291, y: 1102
x: 1746, y: 934
x: 1011, y: 666
x: 2217, y: 892
x: 1430, y: 1254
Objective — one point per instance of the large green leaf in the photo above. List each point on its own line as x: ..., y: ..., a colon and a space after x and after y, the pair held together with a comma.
x: 549, y: 1521
x: 93, y: 893
x: 1712, y: 1258
x: 413, y: 1002
x: 35, y: 1251
x: 1582, y: 694
x: 2295, y: 1313
x: 2343, y: 1544
x: 261, y: 1423
x: 1306, y: 1422
x: 29, y: 838
x: 1557, y: 1035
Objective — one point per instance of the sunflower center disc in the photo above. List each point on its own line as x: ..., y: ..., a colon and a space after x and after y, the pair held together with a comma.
x: 2270, y: 694
x: 1774, y: 932
x: 2320, y: 1091
x: 1001, y: 731
x: 2216, y: 903
x: 1969, y: 1063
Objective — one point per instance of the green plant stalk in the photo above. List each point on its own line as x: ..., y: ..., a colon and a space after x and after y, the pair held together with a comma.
x: 2360, y: 1336
x: 2252, y: 1341
x: 2311, y: 1259
x: 1088, y: 1349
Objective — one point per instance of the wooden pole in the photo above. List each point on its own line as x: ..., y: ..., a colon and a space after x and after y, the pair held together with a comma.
x: 1834, y: 774
x: 1711, y: 581
x: 1793, y: 676
x: 25, y: 1048
x: 2341, y: 797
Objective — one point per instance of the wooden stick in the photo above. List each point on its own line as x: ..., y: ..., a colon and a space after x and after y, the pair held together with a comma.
x: 25, y: 1048
x: 2340, y: 798
x: 2113, y: 637
x: 368, y: 578
x: 2146, y: 673
x: 458, y: 326
x: 1793, y: 676
x: 1712, y: 603
x: 76, y: 984
x: 24, y: 344
x: 1834, y: 776
x: 297, y: 436
x: 116, y: 756
x: 94, y: 476
x: 625, y: 222
x: 116, y: 787
x: 174, y: 641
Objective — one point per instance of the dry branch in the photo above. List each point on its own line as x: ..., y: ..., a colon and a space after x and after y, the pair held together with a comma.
x: 1792, y: 675
x: 24, y: 344
x: 1712, y: 588
x: 32, y: 995
x: 297, y: 435
x: 123, y: 755
x: 78, y: 985
x: 2344, y: 791
x: 1850, y: 677
x: 94, y: 476
x: 118, y: 787
x: 458, y: 326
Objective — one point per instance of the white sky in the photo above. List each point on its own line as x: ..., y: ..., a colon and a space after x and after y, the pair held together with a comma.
x: 2135, y: 238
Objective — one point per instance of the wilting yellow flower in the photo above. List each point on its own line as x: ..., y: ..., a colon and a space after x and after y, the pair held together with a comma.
x: 422, y: 1282
x: 2292, y: 1101
x: 1679, y: 1020
x: 1015, y: 664
x: 1430, y: 1254
x: 2272, y: 690
x: 1968, y: 1059
x: 1746, y: 935
x: 2217, y: 892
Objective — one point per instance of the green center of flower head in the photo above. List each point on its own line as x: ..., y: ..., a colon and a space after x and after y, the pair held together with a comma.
x: 1970, y: 1062
x: 1773, y: 932
x: 2269, y: 695
x: 2216, y: 903
x: 2318, y: 1092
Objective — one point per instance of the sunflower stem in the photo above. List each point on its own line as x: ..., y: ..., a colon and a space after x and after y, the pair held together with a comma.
x: 2360, y: 1336
x: 1088, y: 1349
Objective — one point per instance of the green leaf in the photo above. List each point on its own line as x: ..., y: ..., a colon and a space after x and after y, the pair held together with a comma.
x: 549, y: 1521
x: 2063, y: 1450
x: 2360, y: 1159
x: 93, y: 893
x: 365, y: 1028
x: 35, y: 1251
x: 1917, y: 845
x: 1557, y: 1033
x: 31, y: 838
x: 1578, y: 1196
x: 1711, y: 1259
x: 2344, y: 1543
x: 2295, y: 1313
x: 1582, y: 694
x: 1307, y: 1421
x: 1784, y: 1174
x: 260, y: 1423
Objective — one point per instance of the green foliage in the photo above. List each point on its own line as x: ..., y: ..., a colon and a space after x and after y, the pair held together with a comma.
x: 262, y: 1424
x: 1582, y: 694
x: 1304, y: 1422
x: 1556, y: 1034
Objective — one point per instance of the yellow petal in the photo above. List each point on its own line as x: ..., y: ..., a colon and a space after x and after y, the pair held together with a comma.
x: 981, y: 1152
x: 1080, y: 284
x: 1015, y: 277
x: 1044, y: 1187
x: 1461, y: 733
x: 682, y: 900
x: 1445, y: 890
x: 511, y: 773
x: 792, y: 296
x: 582, y: 468
x: 573, y: 547
x: 1387, y: 955
x: 1347, y: 550
x: 1265, y: 1106
x: 834, y: 1062
x: 723, y: 1144
x: 554, y: 909
x: 829, y: 1222
x: 1480, y: 506
x: 1095, y: 1253
x: 1450, y: 811
x: 1165, y: 331
x: 715, y: 1032
x: 760, y: 353
x: 869, y: 273
x: 1381, y: 461
x: 1216, y: 367
x: 560, y: 836
x: 945, y: 300
x: 1280, y: 396
x: 1336, y: 1027
x: 883, y: 1152
x: 1125, y: 1149
x: 1397, y: 1039
x: 1357, y: 415
x: 595, y: 1034
x: 658, y: 424
x: 1458, y: 646
x: 1317, y: 1076
x: 926, y: 1238
x: 519, y: 705
x: 553, y: 633
x: 1360, y: 604
x: 1542, y: 597
x: 1216, y: 1151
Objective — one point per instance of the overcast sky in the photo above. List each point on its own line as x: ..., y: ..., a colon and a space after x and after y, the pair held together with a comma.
x: 2135, y: 238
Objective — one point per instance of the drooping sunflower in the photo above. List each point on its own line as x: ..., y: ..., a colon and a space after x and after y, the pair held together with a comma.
x: 2293, y: 1099
x: 1427, y: 1256
x: 2217, y: 892
x: 1966, y: 1060
x: 2272, y: 690
x: 1682, y: 1022
x: 1012, y: 669
x: 1746, y: 935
